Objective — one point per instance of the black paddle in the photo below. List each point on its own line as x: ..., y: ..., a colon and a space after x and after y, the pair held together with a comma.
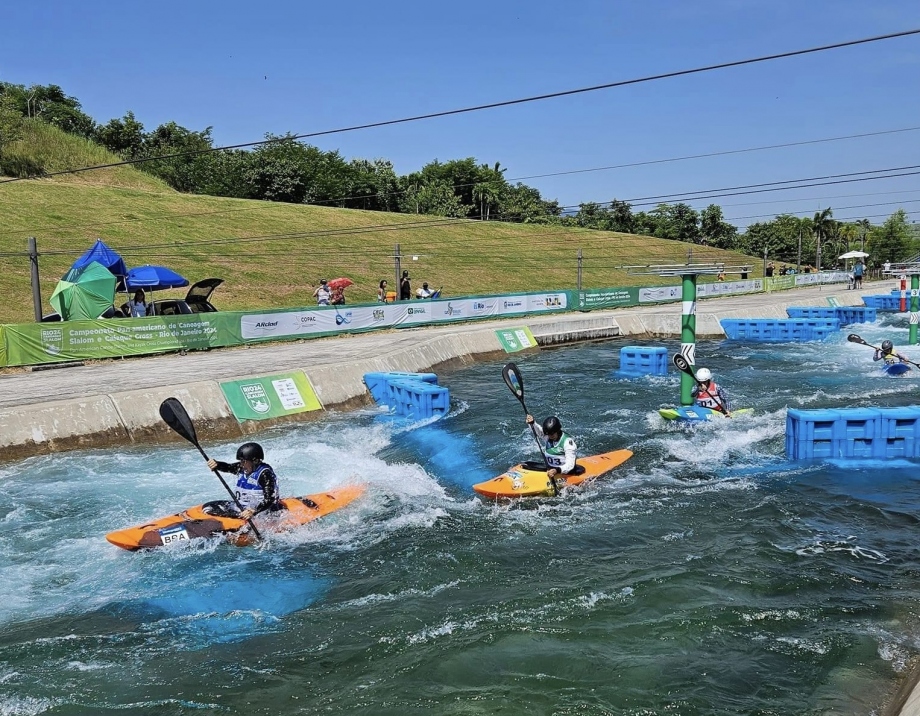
x: 853, y: 338
x: 176, y: 417
x: 685, y: 367
x: 515, y: 382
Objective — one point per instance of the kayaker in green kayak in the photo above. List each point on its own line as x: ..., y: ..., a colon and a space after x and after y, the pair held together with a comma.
x: 561, y: 449
x: 888, y: 354
x: 709, y: 394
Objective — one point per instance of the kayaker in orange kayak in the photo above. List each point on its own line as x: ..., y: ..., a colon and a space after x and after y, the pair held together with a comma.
x: 256, y: 486
x: 560, y: 450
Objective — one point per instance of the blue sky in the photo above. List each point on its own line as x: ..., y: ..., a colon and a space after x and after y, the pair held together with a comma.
x: 276, y: 66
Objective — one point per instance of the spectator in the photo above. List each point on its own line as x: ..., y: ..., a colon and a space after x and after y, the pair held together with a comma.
x: 405, y: 287
x: 338, y: 296
x: 858, y: 271
x: 768, y: 272
x: 423, y: 292
x: 886, y: 267
x: 382, y: 292
x: 720, y: 277
x: 322, y: 294
x: 137, y: 306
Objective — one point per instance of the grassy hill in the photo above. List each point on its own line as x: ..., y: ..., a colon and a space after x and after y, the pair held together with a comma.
x: 272, y: 255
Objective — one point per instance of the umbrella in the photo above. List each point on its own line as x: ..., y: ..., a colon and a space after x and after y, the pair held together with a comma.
x: 154, y: 278
x: 86, y: 292
x: 337, y: 283
x: 102, y: 254
x: 853, y: 255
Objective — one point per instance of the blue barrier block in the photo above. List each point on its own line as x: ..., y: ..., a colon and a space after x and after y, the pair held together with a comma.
x: 883, y: 302
x: 643, y: 360
x: 810, y: 433
x: 419, y: 400
x: 900, y: 432
x: 811, y: 312
x: 854, y: 314
x: 771, y: 329
x: 379, y: 384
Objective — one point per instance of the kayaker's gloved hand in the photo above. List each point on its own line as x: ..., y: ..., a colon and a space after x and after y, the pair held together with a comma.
x: 212, y: 463
x: 246, y: 514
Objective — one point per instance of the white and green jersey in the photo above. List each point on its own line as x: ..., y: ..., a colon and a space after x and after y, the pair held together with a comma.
x: 560, y: 454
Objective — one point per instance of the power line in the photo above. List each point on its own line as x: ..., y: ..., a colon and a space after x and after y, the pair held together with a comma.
x: 493, y: 105
x: 836, y: 208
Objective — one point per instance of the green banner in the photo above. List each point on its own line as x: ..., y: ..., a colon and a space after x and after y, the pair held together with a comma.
x: 33, y: 343
x: 516, y: 339
x: 608, y: 297
x: 270, y: 396
x: 779, y: 283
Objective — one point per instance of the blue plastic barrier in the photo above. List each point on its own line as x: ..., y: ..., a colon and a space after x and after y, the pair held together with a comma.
x: 876, y: 433
x: 883, y: 302
x: 413, y: 395
x: 643, y: 360
x: 379, y: 383
x: 774, y: 330
x: 844, y: 314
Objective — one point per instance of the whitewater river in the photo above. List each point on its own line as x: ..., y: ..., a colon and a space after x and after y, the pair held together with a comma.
x: 708, y: 575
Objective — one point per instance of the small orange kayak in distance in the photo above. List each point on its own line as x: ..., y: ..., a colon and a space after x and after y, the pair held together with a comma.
x: 529, y: 478
x: 210, y: 519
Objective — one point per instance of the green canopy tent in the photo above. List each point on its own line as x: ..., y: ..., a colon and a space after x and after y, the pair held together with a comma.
x: 84, y: 293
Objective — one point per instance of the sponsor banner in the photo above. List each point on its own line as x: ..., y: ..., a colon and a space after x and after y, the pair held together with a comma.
x: 807, y: 279
x: 608, y: 298
x: 270, y: 396
x: 36, y: 343
x: 659, y: 294
x: 722, y: 288
x: 779, y: 283
x: 516, y: 339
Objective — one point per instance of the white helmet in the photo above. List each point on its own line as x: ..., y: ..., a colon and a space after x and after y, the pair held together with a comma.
x: 703, y: 374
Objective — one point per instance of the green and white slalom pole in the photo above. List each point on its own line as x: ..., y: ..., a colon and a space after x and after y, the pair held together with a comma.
x: 914, y: 308
x: 687, y: 334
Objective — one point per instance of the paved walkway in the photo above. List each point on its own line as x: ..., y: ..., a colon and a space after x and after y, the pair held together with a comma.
x: 104, y: 377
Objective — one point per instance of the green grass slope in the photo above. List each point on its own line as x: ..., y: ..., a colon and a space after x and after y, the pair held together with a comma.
x: 272, y: 255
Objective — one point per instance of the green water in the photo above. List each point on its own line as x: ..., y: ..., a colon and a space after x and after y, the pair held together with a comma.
x: 708, y: 575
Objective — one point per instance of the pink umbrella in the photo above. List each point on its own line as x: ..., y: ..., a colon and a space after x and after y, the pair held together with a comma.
x: 337, y: 283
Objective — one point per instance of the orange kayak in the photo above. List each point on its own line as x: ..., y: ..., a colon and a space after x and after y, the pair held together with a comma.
x: 529, y: 479
x: 209, y: 519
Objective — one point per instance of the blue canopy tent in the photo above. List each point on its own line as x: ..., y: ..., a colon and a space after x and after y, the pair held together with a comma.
x: 153, y: 278
x: 100, y: 253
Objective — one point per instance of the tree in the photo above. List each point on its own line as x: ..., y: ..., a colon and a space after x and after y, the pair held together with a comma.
x: 714, y: 230
x: 124, y: 137
x: 10, y: 122
x: 620, y: 217
x: 865, y: 226
x: 891, y: 241
x: 821, y: 226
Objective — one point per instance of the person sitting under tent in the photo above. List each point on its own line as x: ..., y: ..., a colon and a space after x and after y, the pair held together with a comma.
x: 888, y: 354
x: 138, y: 305
x: 709, y: 394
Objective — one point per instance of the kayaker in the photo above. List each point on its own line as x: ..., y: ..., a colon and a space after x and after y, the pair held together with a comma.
x: 257, y: 485
x: 560, y: 447
x: 709, y: 394
x: 888, y: 354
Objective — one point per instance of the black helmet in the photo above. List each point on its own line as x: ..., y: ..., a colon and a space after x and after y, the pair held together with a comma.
x: 551, y: 425
x: 250, y: 451
x: 887, y: 345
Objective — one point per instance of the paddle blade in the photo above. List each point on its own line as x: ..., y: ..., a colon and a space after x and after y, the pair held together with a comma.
x: 853, y: 338
x: 683, y: 366
x: 514, y: 380
x: 176, y: 417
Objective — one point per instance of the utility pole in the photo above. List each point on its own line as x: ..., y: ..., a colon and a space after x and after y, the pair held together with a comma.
x: 36, y: 287
x: 579, y: 270
x: 798, y: 266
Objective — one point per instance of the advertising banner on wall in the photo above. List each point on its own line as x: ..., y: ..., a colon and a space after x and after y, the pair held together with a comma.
x: 516, y: 339
x: 607, y: 298
x: 270, y: 396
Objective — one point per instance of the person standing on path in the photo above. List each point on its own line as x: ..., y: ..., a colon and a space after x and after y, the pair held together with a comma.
x: 858, y: 270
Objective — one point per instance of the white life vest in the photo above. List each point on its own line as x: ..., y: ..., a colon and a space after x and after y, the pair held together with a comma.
x: 248, y: 491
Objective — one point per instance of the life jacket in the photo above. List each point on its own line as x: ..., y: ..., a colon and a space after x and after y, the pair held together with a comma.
x: 709, y: 397
x: 555, y: 451
x: 891, y: 358
x: 248, y: 491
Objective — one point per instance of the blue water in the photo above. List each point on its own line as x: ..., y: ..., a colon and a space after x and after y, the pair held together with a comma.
x: 708, y: 575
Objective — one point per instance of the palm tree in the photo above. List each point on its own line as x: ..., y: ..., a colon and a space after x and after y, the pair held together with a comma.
x: 822, y: 225
x: 864, y: 226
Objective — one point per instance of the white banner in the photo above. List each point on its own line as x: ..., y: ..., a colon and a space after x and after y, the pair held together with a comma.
x: 332, y: 319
